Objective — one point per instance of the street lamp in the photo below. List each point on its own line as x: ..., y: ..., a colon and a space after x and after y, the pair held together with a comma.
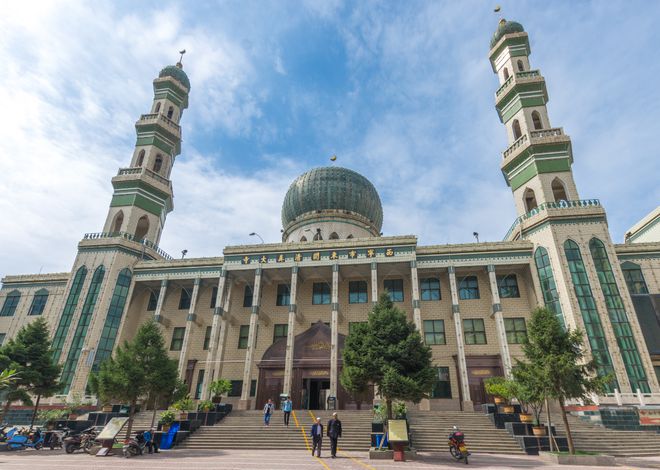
x: 255, y: 234
x: 476, y: 235
x: 184, y: 253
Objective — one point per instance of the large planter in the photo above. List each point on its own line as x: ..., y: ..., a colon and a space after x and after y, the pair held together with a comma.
x: 217, y: 399
x: 539, y: 431
x: 183, y: 416
x: 508, y: 409
x: 165, y: 427
x: 498, y: 400
x: 526, y: 418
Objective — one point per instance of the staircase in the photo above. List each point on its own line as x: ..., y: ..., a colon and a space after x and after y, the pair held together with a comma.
x: 142, y: 421
x: 430, y: 430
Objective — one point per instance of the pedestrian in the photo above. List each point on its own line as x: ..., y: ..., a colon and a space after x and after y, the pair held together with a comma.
x: 150, y: 441
x: 317, y: 437
x: 268, y: 411
x: 334, y: 433
x: 287, y: 406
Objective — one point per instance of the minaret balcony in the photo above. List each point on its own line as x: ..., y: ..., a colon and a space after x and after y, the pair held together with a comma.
x: 540, y: 136
x: 162, y: 121
x: 528, y: 76
x: 148, y: 249
x: 145, y: 174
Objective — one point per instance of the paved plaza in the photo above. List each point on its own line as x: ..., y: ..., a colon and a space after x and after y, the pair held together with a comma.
x: 280, y: 459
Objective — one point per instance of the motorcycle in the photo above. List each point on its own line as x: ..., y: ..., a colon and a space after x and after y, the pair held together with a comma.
x: 56, y: 438
x: 83, y: 440
x: 24, y: 439
x: 457, y: 446
x: 6, y: 432
x: 134, y: 446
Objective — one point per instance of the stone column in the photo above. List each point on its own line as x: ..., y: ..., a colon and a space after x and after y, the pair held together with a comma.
x: 460, y: 343
x: 288, y: 362
x: 220, y: 355
x: 213, y: 340
x: 374, y: 282
x: 190, y: 320
x: 244, y: 403
x: 160, y: 301
x: 417, y: 312
x: 499, y: 322
x: 334, y: 325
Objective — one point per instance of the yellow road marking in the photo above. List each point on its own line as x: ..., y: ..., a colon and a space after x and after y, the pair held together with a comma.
x: 356, y: 460
x: 302, y: 430
x: 314, y: 421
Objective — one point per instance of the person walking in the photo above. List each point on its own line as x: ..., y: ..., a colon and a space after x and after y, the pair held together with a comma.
x: 334, y: 433
x: 268, y: 411
x: 287, y: 406
x: 317, y: 437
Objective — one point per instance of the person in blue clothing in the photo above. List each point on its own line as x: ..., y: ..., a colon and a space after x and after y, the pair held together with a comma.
x: 150, y: 441
x: 268, y: 411
x: 317, y: 437
x: 287, y: 406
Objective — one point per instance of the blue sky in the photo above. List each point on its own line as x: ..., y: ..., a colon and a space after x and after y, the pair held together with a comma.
x: 400, y: 91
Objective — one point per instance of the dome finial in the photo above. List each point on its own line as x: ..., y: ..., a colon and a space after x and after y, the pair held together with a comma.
x: 180, y: 62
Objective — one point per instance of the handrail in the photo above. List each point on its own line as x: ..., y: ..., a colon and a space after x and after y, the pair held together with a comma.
x: 130, y: 237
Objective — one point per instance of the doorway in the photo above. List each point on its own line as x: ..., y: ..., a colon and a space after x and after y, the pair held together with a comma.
x: 314, y: 393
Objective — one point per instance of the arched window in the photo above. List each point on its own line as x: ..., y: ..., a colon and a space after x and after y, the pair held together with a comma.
x: 530, y: 199
x: 536, y: 120
x: 517, y: 133
x: 632, y: 273
x: 140, y: 158
x: 303, y: 238
x: 318, y: 236
x: 558, y: 191
x: 39, y: 302
x: 157, y: 108
x: 67, y: 313
x: 170, y: 112
x: 616, y: 310
x: 11, y: 302
x: 506, y: 73
x: 142, y: 228
x: 334, y: 236
x: 547, y: 280
x: 158, y: 164
x: 521, y: 66
x: 119, y: 220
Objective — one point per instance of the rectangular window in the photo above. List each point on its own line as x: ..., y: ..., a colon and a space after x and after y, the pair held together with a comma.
x: 508, y: 286
x: 247, y: 296
x: 184, y: 300
x: 236, y: 387
x: 442, y: 386
x: 434, y: 332
x: 357, y: 292
x: 214, y: 294
x: 283, y: 295
x: 243, y: 336
x: 430, y: 288
x: 394, y: 288
x: 353, y: 324
x: 153, y: 301
x: 207, y: 338
x: 177, y: 338
x: 9, y: 307
x: 468, y: 288
x: 474, y: 331
x: 38, y: 304
x: 2, y: 338
x: 200, y: 383
x: 280, y: 331
x: 516, y: 330
x: 253, y: 388
x: 320, y: 293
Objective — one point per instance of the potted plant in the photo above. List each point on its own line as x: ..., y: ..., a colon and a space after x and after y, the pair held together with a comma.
x: 166, y: 420
x: 501, y: 390
x: 218, y: 388
x: 399, y: 410
x: 183, y: 406
x: 380, y: 418
x: 205, y: 406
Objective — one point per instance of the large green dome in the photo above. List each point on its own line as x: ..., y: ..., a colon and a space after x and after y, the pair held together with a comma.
x: 332, y: 188
x: 176, y: 73
x: 505, y: 27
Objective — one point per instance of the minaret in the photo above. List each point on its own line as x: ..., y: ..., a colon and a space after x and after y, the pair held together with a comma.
x: 101, y: 284
x: 577, y: 270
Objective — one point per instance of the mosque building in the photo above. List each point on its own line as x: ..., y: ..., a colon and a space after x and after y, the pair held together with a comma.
x: 272, y: 317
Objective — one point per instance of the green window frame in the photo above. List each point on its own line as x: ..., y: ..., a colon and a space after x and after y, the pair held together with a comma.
x: 516, y: 330
x: 71, y: 363
x: 283, y: 295
x: 11, y: 302
x: 632, y: 273
x: 320, y: 293
x: 38, y: 302
x: 243, y: 333
x: 67, y: 313
x: 357, y: 292
x: 353, y: 324
x: 547, y: 281
x: 153, y: 301
x: 200, y: 383
x: 474, y: 331
x: 442, y: 386
x: 434, y: 332
x: 184, y: 299
x: 430, y: 288
x: 589, y: 311
x: 507, y: 286
x: 394, y: 288
x: 214, y: 294
x: 618, y: 317
x: 207, y: 338
x: 247, y: 296
x: 280, y: 331
x: 468, y: 288
x: 178, y: 333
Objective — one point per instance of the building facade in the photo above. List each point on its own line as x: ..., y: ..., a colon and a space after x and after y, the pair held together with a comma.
x: 272, y: 318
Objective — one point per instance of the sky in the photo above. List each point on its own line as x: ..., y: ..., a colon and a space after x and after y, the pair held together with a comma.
x: 401, y: 92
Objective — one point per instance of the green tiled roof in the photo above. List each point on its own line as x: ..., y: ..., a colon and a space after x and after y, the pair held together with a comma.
x: 505, y: 27
x: 176, y: 73
x: 332, y: 188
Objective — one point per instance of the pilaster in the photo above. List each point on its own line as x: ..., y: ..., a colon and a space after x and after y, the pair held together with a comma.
x: 499, y: 322
x: 244, y: 403
x: 161, y: 300
x: 213, y: 340
x: 374, y: 282
x: 460, y: 341
x: 190, y: 320
x: 334, y: 325
x: 288, y: 362
x: 417, y: 312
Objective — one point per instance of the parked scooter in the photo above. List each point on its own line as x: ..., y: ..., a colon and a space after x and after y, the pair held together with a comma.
x: 6, y: 432
x: 83, y: 440
x: 134, y: 446
x: 55, y: 438
x: 26, y: 439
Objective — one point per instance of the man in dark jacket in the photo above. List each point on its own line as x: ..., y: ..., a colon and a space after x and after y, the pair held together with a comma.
x: 317, y: 437
x: 334, y: 433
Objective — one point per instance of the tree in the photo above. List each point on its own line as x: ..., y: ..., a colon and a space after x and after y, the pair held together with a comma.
x: 31, y: 355
x: 388, y: 352
x: 139, y: 368
x: 7, y: 377
x: 556, y: 366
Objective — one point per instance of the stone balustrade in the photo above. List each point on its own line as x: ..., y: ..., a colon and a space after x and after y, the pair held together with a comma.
x: 579, y: 203
x: 144, y: 171
x: 127, y: 236
x: 517, y: 144
x: 516, y: 76
x: 161, y: 117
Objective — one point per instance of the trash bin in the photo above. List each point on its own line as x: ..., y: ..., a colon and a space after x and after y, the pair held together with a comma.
x: 331, y: 403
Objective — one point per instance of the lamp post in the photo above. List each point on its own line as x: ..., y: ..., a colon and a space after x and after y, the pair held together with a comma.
x: 255, y: 234
x: 476, y: 236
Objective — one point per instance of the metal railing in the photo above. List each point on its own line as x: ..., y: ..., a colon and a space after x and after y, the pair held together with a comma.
x: 579, y: 203
x: 127, y: 236
x: 142, y: 170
